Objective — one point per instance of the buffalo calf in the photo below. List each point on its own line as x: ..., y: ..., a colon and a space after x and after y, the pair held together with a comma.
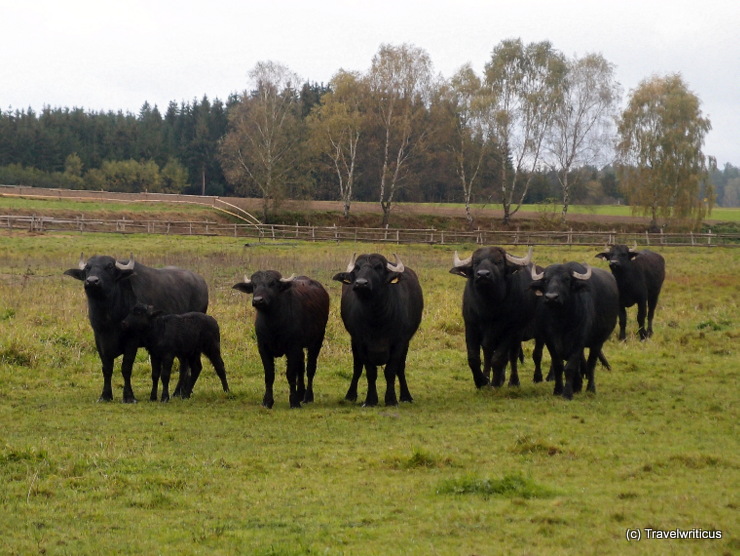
x: 184, y: 336
x: 291, y: 316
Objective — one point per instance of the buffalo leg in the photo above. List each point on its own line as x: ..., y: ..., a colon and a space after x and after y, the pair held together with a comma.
x: 472, y: 342
x: 514, y: 355
x: 537, y: 359
x: 127, y: 365
x: 593, y: 355
x: 268, y: 363
x: 371, y: 399
x: 641, y: 320
x: 356, y: 374
x: 107, y: 394
x: 293, y: 372
x: 403, y: 385
x: 390, y: 385
x: 192, y: 377
x: 622, y: 323
x: 167, y: 362
x: 572, y: 374
x: 183, y: 389
x: 156, y: 373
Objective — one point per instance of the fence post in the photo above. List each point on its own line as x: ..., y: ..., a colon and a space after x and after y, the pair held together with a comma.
x: 709, y: 237
x: 647, y: 238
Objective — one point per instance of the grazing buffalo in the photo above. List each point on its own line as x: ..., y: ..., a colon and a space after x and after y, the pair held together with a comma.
x: 113, y: 288
x: 498, y: 309
x: 184, y: 336
x: 381, y: 309
x: 579, y: 310
x: 640, y: 276
x: 291, y: 316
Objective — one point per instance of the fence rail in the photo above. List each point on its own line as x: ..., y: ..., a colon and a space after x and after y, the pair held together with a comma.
x: 271, y: 233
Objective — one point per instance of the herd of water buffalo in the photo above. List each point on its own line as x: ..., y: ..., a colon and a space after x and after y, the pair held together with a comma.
x: 506, y: 300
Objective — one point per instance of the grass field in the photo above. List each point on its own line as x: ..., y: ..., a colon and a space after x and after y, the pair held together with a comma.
x: 459, y: 471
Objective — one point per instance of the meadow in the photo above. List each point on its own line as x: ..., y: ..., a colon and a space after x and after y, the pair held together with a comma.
x: 459, y: 471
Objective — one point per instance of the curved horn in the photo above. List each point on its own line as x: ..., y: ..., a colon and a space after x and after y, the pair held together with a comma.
x: 398, y: 267
x: 465, y: 262
x: 128, y: 266
x: 351, y: 265
x: 82, y: 262
x: 633, y: 249
x: 289, y: 279
x: 521, y: 261
x: 247, y: 280
x: 583, y: 276
x: 536, y: 276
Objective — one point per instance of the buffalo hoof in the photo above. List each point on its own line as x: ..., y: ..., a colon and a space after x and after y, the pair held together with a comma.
x: 513, y: 383
x: 268, y: 403
x: 370, y: 403
x: 407, y: 399
x: 308, y: 398
x: 105, y: 399
x: 568, y: 392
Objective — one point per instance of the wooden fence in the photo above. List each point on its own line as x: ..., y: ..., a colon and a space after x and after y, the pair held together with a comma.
x: 273, y: 233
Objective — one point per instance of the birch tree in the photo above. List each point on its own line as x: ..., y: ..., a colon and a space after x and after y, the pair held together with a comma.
x: 336, y: 126
x: 582, y: 126
x: 400, y: 82
x: 261, y: 148
x: 524, y: 81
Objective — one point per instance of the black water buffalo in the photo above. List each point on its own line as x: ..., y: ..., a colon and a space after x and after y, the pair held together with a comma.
x: 291, y: 316
x: 381, y: 309
x: 185, y: 336
x: 498, y: 309
x: 579, y: 311
x: 112, y: 288
x: 640, y: 276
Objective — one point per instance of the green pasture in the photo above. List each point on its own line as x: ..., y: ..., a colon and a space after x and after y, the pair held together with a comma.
x: 459, y: 471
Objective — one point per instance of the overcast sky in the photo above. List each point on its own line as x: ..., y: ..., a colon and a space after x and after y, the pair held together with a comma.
x: 115, y: 55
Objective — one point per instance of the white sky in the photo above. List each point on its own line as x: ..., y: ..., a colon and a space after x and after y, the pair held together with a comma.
x: 115, y: 55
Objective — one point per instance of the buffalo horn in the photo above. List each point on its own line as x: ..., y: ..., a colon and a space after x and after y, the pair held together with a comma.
x: 633, y: 249
x: 583, y: 276
x: 398, y: 267
x: 536, y: 276
x: 521, y: 261
x: 128, y: 266
x: 82, y: 261
x: 289, y: 279
x: 351, y: 265
x: 247, y: 280
x: 458, y: 263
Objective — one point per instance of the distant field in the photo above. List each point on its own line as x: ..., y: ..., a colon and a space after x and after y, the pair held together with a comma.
x: 459, y: 471
x: 441, y: 209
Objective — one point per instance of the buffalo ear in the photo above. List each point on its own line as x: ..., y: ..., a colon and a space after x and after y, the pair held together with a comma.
x: 463, y: 271
x: 343, y: 277
x: 633, y: 254
x: 537, y: 288
x: 394, y: 277
x: 243, y: 287
x: 603, y: 256
x: 75, y: 273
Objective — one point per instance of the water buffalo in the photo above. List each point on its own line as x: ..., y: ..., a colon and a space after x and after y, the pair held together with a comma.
x: 112, y: 288
x: 498, y: 309
x: 291, y: 316
x: 184, y: 336
x: 640, y: 276
x: 579, y: 311
x: 381, y: 309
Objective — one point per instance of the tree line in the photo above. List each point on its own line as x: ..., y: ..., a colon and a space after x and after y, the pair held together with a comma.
x: 535, y: 126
